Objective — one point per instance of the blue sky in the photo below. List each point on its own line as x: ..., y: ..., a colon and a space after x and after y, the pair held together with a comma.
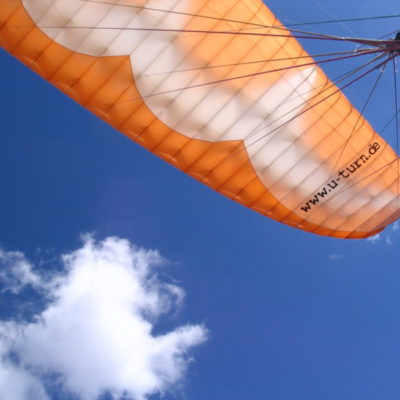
x: 288, y: 315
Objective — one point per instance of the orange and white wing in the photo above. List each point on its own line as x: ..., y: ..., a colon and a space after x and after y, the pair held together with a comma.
x: 211, y: 88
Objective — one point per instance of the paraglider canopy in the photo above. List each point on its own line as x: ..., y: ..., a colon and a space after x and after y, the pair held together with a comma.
x: 225, y: 93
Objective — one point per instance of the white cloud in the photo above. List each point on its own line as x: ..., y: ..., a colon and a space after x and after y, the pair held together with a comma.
x: 16, y: 383
x: 16, y: 272
x: 96, y: 332
x: 389, y: 236
x: 374, y: 239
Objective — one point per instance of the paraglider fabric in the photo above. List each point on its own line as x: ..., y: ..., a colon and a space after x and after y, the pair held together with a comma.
x: 221, y: 90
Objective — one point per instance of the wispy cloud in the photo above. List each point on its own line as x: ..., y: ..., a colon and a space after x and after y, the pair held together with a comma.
x: 389, y: 236
x: 16, y: 272
x: 335, y: 256
x: 96, y: 332
x: 374, y: 239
